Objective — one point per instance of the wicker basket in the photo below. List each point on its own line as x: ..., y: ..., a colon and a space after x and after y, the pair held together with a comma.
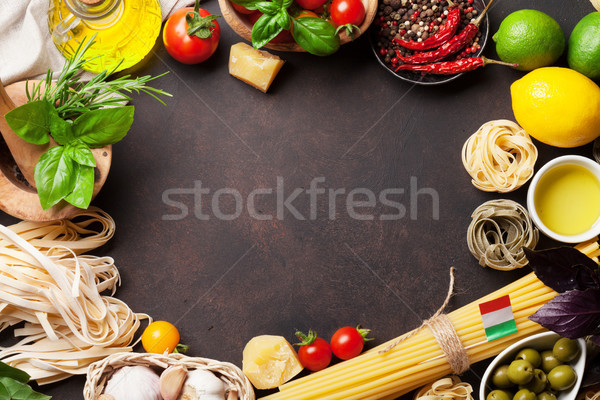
x: 99, y: 372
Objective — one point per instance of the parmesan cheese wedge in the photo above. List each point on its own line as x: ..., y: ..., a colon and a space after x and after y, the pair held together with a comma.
x: 255, y: 67
x: 270, y: 361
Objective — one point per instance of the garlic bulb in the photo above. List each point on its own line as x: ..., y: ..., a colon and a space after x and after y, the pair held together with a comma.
x: 202, y: 385
x: 134, y: 383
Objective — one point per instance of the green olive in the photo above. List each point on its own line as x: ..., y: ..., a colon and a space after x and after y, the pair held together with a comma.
x: 546, y: 395
x: 549, y: 361
x: 500, y: 377
x: 520, y: 372
x: 565, y: 350
x: 562, y: 377
x: 531, y: 355
x: 538, y: 383
x: 499, y: 395
x: 524, y: 394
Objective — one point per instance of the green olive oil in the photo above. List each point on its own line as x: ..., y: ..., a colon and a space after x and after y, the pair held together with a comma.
x: 567, y: 199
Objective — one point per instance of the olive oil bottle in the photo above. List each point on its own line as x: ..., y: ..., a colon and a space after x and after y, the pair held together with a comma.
x: 126, y: 30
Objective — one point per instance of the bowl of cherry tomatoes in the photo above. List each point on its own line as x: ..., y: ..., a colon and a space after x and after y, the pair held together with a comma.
x: 357, y: 15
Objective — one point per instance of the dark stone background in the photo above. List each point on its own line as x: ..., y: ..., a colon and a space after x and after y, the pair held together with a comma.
x: 343, y: 118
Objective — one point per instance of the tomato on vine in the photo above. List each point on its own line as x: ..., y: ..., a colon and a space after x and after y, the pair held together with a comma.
x: 314, y: 353
x: 348, y: 342
x: 347, y: 14
x: 191, y: 35
x: 160, y: 337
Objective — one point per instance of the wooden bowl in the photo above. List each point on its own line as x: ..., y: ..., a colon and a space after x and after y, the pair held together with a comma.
x: 18, y: 196
x: 242, y: 26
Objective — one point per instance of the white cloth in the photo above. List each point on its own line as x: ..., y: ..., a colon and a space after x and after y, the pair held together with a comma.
x: 26, y: 47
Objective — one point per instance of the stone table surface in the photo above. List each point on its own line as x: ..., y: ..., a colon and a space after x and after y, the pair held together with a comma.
x: 217, y: 230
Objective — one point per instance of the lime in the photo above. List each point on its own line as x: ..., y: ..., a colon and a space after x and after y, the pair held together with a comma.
x: 583, y: 54
x: 529, y: 38
x: 557, y: 106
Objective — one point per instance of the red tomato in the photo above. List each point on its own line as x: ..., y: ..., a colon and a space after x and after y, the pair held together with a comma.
x: 314, y: 353
x: 283, y: 36
x: 307, y: 13
x: 185, y: 48
x: 348, y: 342
x: 311, y: 4
x: 241, y: 9
x: 345, y: 12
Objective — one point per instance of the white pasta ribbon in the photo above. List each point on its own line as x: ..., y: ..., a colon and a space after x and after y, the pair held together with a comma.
x: 46, y: 283
x: 450, y: 388
x: 500, y: 156
x: 596, y: 4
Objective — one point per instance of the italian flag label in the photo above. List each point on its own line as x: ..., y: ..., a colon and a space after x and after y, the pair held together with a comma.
x: 497, y: 317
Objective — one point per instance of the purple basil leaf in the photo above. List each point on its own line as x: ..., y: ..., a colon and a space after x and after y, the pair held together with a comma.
x: 591, y: 375
x: 572, y: 314
x: 564, y: 268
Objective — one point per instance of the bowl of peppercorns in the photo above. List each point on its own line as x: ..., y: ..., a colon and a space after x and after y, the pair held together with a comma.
x: 430, y: 42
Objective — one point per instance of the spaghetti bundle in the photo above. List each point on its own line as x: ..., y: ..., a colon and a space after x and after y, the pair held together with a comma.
x: 500, y: 156
x: 56, y: 292
x: 418, y: 360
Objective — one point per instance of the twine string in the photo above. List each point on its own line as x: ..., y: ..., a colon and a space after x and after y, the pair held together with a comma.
x: 444, y: 333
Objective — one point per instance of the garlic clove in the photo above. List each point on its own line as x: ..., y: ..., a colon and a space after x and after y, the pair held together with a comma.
x: 171, y: 381
x: 105, y: 397
x: 202, y: 385
x: 134, y: 383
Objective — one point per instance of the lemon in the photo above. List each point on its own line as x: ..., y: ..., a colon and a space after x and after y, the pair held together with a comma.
x: 557, y: 106
x: 529, y: 38
x: 584, y: 46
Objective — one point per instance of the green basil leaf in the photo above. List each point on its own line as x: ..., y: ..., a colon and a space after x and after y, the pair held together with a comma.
x: 284, y: 20
x: 104, y: 126
x: 81, y: 196
x: 14, y: 373
x: 14, y: 390
x: 54, y: 176
x: 268, y: 7
x: 31, y: 121
x: 265, y: 29
x: 80, y: 153
x: 60, y: 129
x: 249, y: 4
x: 285, y: 4
x: 315, y: 35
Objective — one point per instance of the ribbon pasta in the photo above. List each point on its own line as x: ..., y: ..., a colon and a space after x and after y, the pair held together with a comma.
x: 500, y: 156
x: 55, y: 291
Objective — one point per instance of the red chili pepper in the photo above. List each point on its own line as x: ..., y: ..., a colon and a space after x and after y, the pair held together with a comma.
x: 445, y: 32
x: 452, y: 46
x: 451, y: 67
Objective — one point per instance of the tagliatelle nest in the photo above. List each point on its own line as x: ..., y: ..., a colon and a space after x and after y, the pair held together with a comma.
x: 500, y: 156
x: 596, y: 4
x: 498, y: 232
x: 46, y: 283
x: 451, y: 388
x: 237, y: 385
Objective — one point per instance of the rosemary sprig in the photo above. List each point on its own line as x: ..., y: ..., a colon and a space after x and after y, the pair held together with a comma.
x: 71, y: 97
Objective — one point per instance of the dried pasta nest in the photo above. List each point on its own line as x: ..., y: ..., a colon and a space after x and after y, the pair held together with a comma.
x: 100, y: 372
x: 500, y: 156
x: 498, y: 232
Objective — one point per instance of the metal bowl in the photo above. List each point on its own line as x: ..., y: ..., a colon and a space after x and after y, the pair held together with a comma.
x: 429, y: 79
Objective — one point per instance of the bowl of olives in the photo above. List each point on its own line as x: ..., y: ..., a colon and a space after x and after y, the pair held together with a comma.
x: 545, y: 366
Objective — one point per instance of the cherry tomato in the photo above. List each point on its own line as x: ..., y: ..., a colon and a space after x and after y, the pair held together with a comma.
x: 344, y: 12
x: 185, y: 48
x: 314, y: 353
x: 241, y: 9
x: 307, y: 13
x: 283, y: 36
x: 160, y: 336
x: 348, y: 342
x: 311, y: 4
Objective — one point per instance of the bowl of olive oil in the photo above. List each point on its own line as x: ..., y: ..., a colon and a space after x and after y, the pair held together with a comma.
x: 564, y: 199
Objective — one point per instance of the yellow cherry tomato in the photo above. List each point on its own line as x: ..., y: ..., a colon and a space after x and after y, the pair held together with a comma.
x: 160, y: 337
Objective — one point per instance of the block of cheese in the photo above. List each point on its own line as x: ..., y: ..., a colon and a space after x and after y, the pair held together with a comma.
x: 270, y: 361
x: 255, y: 67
